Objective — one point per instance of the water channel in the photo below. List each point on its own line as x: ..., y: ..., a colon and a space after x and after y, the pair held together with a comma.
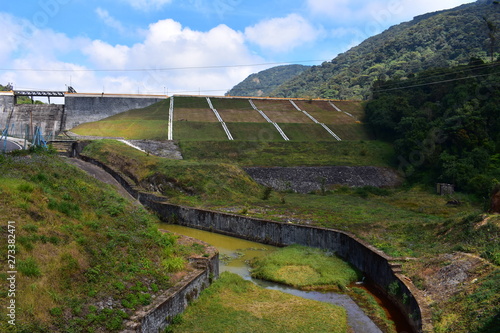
x: 234, y: 253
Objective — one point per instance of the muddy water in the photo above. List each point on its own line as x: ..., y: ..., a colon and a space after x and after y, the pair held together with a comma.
x: 234, y: 253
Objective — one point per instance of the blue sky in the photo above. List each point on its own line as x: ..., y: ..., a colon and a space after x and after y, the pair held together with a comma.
x: 188, y: 46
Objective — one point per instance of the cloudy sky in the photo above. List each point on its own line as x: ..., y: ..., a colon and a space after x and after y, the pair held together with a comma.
x: 181, y: 46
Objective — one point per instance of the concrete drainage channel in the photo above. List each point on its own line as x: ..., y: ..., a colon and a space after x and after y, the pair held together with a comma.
x: 379, y: 268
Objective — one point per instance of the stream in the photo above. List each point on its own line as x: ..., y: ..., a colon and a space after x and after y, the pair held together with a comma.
x: 234, y: 253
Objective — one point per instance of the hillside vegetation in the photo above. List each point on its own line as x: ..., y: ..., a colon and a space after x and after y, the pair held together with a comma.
x: 264, y: 82
x: 85, y: 257
x: 445, y: 125
x: 445, y: 38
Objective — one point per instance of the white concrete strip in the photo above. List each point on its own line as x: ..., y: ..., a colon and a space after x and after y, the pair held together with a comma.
x: 228, y: 133
x: 224, y: 126
x: 336, y: 108
x: 261, y: 112
x: 331, y: 132
x: 304, y: 112
x: 278, y: 128
x: 131, y: 145
x: 281, y: 132
x: 295, y: 105
x: 171, y: 119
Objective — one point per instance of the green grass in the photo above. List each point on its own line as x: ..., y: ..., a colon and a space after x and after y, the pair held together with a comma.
x: 190, y: 102
x: 259, y: 132
x: 351, y: 132
x: 305, y: 268
x: 231, y: 104
x: 78, y: 243
x: 362, y: 153
x: 194, y: 182
x: 232, y: 304
x: 198, y: 131
x: 306, y: 132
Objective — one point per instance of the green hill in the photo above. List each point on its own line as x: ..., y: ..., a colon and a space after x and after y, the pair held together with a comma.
x: 264, y: 82
x: 440, y: 39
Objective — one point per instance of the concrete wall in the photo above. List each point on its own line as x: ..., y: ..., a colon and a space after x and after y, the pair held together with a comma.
x: 379, y: 268
x: 84, y: 108
x: 50, y: 117
x: 6, y: 107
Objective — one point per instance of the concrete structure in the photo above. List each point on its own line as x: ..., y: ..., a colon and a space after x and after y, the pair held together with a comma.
x: 77, y: 109
x: 84, y: 108
x: 50, y: 117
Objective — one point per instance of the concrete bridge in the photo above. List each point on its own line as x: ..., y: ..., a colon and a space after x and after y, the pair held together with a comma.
x: 76, y: 109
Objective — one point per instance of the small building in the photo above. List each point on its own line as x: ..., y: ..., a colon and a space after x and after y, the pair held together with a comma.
x: 445, y: 189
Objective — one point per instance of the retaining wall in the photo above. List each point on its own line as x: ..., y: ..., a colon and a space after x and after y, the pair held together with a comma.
x: 84, y: 108
x: 164, y: 308
x: 379, y: 268
x: 308, y: 179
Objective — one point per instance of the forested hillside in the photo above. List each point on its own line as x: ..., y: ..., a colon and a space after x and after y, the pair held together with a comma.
x: 441, y: 39
x: 444, y: 123
x: 262, y: 83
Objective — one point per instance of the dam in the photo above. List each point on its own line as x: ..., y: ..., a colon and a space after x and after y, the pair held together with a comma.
x: 77, y: 108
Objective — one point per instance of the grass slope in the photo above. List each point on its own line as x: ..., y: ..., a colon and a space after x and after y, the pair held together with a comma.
x: 261, y: 153
x: 149, y: 123
x: 194, y: 121
x: 78, y: 245
x: 232, y: 304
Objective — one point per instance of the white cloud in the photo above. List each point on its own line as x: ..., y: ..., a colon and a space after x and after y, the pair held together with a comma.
x: 179, y: 58
x: 106, y: 56
x: 282, y: 34
x: 109, y: 20
x: 382, y: 12
x: 148, y: 5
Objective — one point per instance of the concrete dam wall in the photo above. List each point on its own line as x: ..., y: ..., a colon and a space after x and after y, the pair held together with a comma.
x: 78, y: 109
x: 84, y: 108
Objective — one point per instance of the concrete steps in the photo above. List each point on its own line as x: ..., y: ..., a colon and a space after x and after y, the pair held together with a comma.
x: 62, y: 147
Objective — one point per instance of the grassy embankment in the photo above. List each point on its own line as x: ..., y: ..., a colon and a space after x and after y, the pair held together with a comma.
x: 409, y: 221
x: 195, y: 121
x: 232, y: 304
x: 86, y: 258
